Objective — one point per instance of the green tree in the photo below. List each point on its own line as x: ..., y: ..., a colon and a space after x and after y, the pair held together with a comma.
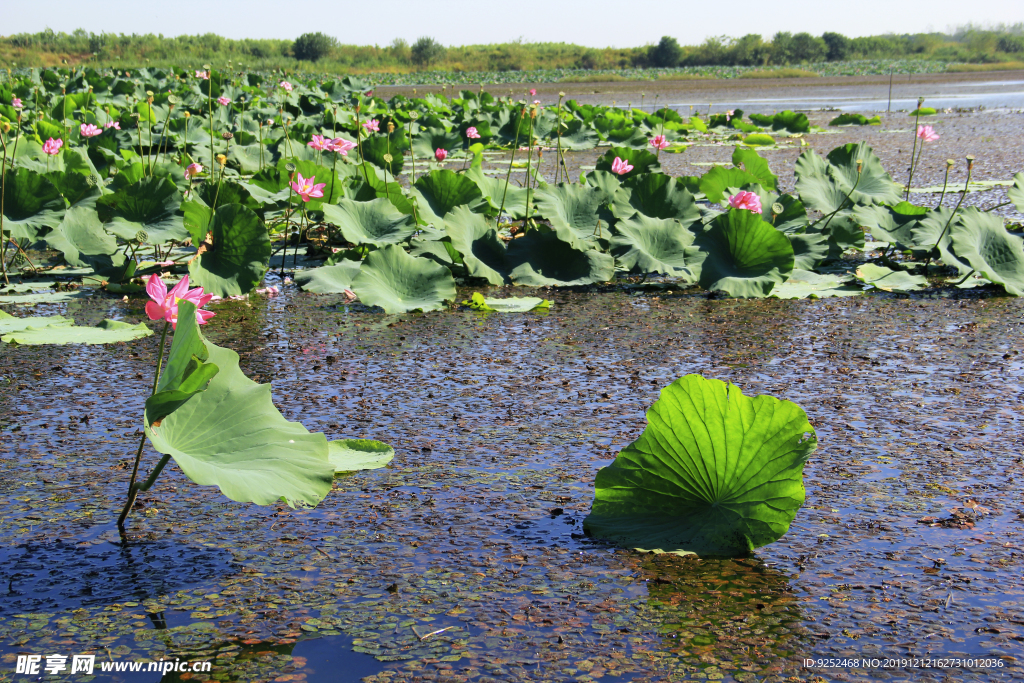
x: 312, y: 46
x: 666, y: 53
x: 837, y: 46
x: 807, y: 48
x: 426, y: 51
x: 782, y: 47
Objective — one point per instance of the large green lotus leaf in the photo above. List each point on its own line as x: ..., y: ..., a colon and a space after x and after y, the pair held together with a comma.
x: 107, y: 332
x: 933, y: 232
x: 483, y: 253
x: 512, y: 304
x: 428, y: 140
x: 578, y: 136
x: 333, y: 279
x: 149, y: 206
x: 573, y: 208
x: 805, y: 284
x: 368, y: 185
x: 714, y: 473
x: 794, y: 215
x: 235, y: 255
x: 790, y: 121
x: 980, y: 239
x: 77, y: 189
x: 84, y: 242
x: 496, y: 189
x: 440, y: 191
x: 217, y: 194
x: 628, y: 136
x: 8, y: 323
x: 232, y: 436
x: 1016, y: 192
x: 249, y: 158
x: 720, y: 181
x: 757, y: 166
x: 30, y: 204
x: 375, y: 149
x: 844, y: 232
x: 398, y: 283
x: 641, y: 160
x: 875, y: 185
x: 656, y: 245
x: 889, y: 280
x: 660, y: 196
x: 746, y: 257
x: 376, y: 222
x: 819, y: 191
x: 810, y: 248
x: 350, y: 455
x: 614, y: 195
x: 541, y: 259
x: 186, y: 374
x: 891, y: 224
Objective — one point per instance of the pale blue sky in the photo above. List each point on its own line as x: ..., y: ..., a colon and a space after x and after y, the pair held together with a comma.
x: 597, y: 23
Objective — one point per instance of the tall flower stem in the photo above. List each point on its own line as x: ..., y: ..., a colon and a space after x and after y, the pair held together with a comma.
x: 913, y: 150
x: 970, y: 167
x: 558, y: 127
x: 3, y: 189
x: 287, y: 222
x: 167, y: 121
x: 133, y: 488
x: 359, y: 142
x: 508, y: 175
x: 529, y: 160
x: 261, y: 145
x: 209, y: 101
x: 412, y: 152
x: 945, y: 181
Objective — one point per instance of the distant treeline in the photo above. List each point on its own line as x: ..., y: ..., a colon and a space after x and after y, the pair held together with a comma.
x: 48, y: 48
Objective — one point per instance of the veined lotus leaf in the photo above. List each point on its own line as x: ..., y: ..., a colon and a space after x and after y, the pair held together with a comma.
x: 641, y: 160
x: 934, y: 231
x: 714, y: 473
x: 483, y: 253
x: 541, y: 259
x: 875, y: 185
x: 817, y: 188
x: 980, y: 239
x: 889, y: 280
x: 793, y: 218
x: 351, y: 455
x: 614, y: 195
x: 571, y: 208
x: 1016, y: 192
x: 810, y: 247
x: 84, y: 242
x: 746, y: 257
x: 656, y: 245
x: 428, y: 140
x: 791, y: 122
x: 368, y: 185
x: 398, y: 283
x: 226, y: 192
x: 512, y: 304
x: 805, y: 284
x: 891, y: 224
x: 332, y: 279
x: 232, y: 436
x: 30, y: 204
x: 8, y: 323
x: 719, y: 181
x: 376, y: 222
x: 76, y: 188
x: 578, y: 136
x: 757, y: 139
x: 248, y: 158
x: 843, y: 232
x: 441, y: 191
x: 235, y: 255
x: 187, y: 373
x: 107, y: 332
x: 628, y: 136
x: 757, y: 166
x: 660, y: 196
x: 496, y: 189
x: 150, y: 206
x: 375, y: 149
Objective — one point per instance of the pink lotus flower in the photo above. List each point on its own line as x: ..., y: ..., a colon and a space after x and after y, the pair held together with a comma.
x: 746, y: 200
x: 116, y: 125
x: 88, y: 130
x: 193, y: 170
x: 728, y: 115
x: 440, y: 154
x: 369, y: 93
x: 223, y: 100
x: 533, y: 91
x: 203, y: 74
x: 306, y: 189
x: 286, y: 85
x: 319, y: 142
x: 927, y: 134
x: 16, y: 103
x: 659, y: 142
x: 620, y: 167
x: 270, y: 291
x: 164, y: 304
x: 341, y: 146
x: 372, y: 126
x: 472, y: 133
x: 52, y: 146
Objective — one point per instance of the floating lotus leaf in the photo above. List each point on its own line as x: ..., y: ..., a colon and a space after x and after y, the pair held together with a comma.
x: 84, y: 242
x: 641, y: 160
x: 889, y: 280
x: 512, y: 304
x: 333, y: 279
x: 30, y: 204
x: 541, y: 259
x: 656, y: 245
x: 721, y: 181
x: 232, y: 436
x: 235, y: 255
x: 483, y: 253
x: 805, y: 284
x: 759, y: 140
x: 980, y: 239
x: 891, y: 224
x: 855, y: 120
x: 8, y: 323
x: 660, y: 196
x: 107, y: 332
x: 376, y: 222
x: 398, y: 283
x: 150, y: 206
x: 441, y: 191
x: 714, y: 473
x: 746, y: 257
x: 350, y: 455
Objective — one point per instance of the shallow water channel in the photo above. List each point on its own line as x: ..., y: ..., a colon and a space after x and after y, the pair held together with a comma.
x: 464, y: 560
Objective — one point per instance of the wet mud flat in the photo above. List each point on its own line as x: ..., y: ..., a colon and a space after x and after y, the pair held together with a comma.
x: 464, y: 560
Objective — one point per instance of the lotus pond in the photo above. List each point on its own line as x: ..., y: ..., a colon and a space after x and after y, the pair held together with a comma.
x: 430, y: 520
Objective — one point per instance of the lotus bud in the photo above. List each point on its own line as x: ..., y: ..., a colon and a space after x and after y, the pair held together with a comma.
x: 188, y: 115
x: 388, y: 158
x: 970, y: 161
x: 860, y: 165
x: 391, y: 126
x: 141, y: 236
x: 6, y: 127
x: 920, y: 101
x: 561, y: 93
x: 289, y: 167
x: 221, y: 159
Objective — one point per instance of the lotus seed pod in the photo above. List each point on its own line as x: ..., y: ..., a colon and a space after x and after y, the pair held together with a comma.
x: 141, y: 236
x: 949, y: 162
x: 289, y: 167
x: 388, y: 158
x: 188, y: 115
x: 391, y: 126
x: 561, y: 93
x: 227, y: 135
x: 777, y: 208
x: 19, y: 259
x: 92, y: 180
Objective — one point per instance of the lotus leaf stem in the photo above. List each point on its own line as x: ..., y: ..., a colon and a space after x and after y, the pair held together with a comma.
x: 3, y: 190
x: 970, y: 167
x: 508, y: 175
x: 910, y: 178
